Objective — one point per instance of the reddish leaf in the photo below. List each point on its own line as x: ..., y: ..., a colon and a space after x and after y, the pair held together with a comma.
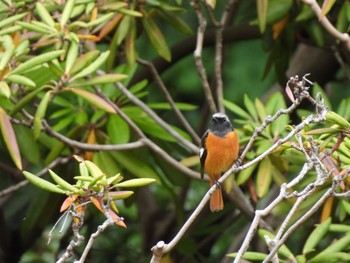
x: 10, y: 138
x: 116, y: 218
x: 68, y: 202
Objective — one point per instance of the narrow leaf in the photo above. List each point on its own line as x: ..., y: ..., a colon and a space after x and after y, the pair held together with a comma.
x: 37, y: 60
x: 11, y: 19
x: 63, y: 183
x: 156, y: 37
x: 19, y: 79
x: 10, y: 138
x: 41, y: 183
x: 136, y: 182
x: 68, y: 7
x: 93, y: 66
x: 262, y: 13
x: 93, y: 99
x: 40, y: 113
x: 44, y: 14
x: 264, y: 177
x: 4, y: 90
x: 326, y: 7
x: 316, y: 236
x: 104, y: 79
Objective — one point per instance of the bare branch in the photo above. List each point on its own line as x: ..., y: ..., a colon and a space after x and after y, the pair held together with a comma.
x: 170, y: 100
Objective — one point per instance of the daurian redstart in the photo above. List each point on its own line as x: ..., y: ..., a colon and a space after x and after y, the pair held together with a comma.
x: 219, y: 151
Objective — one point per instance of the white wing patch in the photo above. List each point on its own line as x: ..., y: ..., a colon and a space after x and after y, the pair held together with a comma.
x: 201, y: 151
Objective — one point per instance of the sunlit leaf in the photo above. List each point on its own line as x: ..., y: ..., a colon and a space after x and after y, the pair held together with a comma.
x: 44, y: 14
x: 136, y: 182
x: 93, y: 99
x: 98, y: 80
x: 262, y: 13
x: 37, y: 60
x: 326, y: 7
x: 93, y: 66
x: 43, y: 184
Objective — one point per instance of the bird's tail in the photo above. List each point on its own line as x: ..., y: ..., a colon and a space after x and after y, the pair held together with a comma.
x: 216, y: 201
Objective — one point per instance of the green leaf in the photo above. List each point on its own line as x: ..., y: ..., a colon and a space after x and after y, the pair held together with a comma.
x: 84, y: 60
x: 10, y: 30
x: 101, y: 20
x: 130, y: 12
x: 262, y: 13
x: 336, y: 257
x: 68, y: 8
x: 63, y: 183
x: 19, y: 79
x: 11, y: 19
x: 93, y: 66
x: 166, y: 106
x: 135, y: 165
x: 118, y: 195
x: 264, y: 177
x: 41, y: 183
x: 9, y: 47
x: 316, y: 236
x: 136, y: 182
x: 123, y: 29
x: 5, y: 90
x: 118, y: 130
x: 326, y: 7
x: 260, y: 108
x: 175, y: 21
x: 24, y: 101
x: 44, y: 14
x: 93, y: 169
x: 40, y: 113
x: 34, y: 27
x: 37, y: 60
x: 93, y: 99
x: 10, y: 138
x: 156, y: 37
x: 72, y: 55
x: 336, y: 246
x: 29, y: 148
x: 244, y: 175
x: 249, y: 105
x: 98, y: 80
x: 107, y: 164
x: 250, y: 255
x: 283, y: 250
x: 236, y: 109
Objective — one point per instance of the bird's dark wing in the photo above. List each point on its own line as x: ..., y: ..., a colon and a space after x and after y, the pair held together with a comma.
x: 203, y: 152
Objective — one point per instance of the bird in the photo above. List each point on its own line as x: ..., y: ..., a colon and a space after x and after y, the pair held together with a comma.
x: 219, y: 150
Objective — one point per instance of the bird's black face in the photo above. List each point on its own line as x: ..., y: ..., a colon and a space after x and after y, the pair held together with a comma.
x: 220, y: 124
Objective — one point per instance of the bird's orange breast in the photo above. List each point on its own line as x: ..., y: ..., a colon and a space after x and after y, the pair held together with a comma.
x: 221, y: 153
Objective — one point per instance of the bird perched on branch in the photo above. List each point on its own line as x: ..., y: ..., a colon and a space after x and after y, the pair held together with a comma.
x: 219, y: 151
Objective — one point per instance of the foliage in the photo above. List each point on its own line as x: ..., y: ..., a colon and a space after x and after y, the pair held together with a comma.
x: 115, y: 82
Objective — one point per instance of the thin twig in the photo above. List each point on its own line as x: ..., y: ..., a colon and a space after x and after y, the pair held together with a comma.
x: 170, y: 100
x: 198, y: 57
x: 16, y: 187
x: 156, y: 118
